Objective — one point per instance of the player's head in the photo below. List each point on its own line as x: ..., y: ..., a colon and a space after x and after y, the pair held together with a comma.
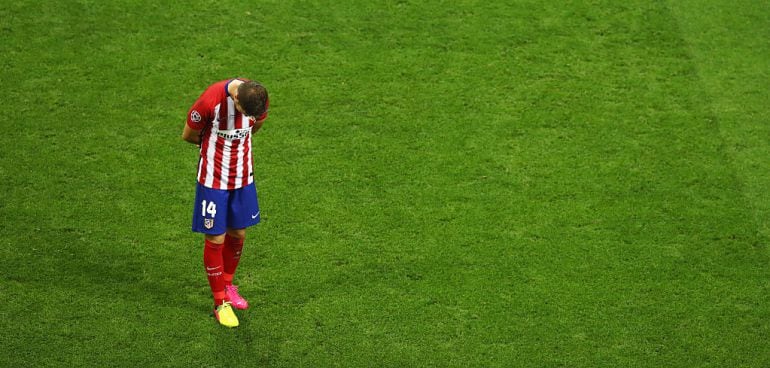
x: 252, y: 98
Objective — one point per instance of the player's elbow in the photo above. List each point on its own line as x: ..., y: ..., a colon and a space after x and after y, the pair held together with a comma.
x: 191, y: 136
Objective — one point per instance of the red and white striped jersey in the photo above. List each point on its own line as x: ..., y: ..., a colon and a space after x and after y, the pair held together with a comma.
x: 225, y: 155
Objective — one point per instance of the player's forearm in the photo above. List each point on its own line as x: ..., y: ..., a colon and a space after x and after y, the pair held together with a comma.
x: 191, y: 135
x: 193, y: 140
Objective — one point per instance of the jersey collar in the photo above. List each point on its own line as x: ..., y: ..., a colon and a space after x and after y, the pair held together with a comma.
x: 227, y: 90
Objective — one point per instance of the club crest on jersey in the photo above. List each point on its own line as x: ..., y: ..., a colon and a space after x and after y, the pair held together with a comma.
x: 208, y: 223
x: 195, y: 116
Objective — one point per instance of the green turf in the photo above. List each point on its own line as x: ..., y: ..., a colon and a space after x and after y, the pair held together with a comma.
x: 443, y: 184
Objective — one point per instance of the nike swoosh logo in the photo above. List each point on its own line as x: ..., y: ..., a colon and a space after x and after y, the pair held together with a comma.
x: 211, y: 268
x: 254, y: 216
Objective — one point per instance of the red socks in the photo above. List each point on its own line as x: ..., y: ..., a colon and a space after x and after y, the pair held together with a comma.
x: 212, y: 259
x: 231, y: 255
x: 221, y: 260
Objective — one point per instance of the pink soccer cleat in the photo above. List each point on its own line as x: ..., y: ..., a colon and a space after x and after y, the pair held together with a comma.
x: 237, y: 301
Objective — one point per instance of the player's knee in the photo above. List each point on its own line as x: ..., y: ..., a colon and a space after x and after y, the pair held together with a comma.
x: 216, y: 239
x: 237, y: 233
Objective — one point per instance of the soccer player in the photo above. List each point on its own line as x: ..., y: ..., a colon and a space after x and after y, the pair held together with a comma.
x: 221, y: 122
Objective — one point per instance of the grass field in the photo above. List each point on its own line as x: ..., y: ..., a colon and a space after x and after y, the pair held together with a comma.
x: 443, y: 184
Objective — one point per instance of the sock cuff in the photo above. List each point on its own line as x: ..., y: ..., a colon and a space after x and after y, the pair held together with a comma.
x: 213, y: 245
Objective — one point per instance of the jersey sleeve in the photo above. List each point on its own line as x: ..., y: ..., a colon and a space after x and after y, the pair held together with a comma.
x: 199, y: 114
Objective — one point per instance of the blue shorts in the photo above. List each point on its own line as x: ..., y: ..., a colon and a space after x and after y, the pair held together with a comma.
x: 217, y: 210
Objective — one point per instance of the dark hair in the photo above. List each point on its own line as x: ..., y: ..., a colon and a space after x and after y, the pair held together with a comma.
x: 252, y: 97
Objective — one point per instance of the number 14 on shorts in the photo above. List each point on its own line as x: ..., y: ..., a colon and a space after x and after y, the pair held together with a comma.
x: 211, y: 208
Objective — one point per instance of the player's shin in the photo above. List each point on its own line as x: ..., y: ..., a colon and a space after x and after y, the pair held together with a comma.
x: 212, y: 260
x: 231, y: 256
